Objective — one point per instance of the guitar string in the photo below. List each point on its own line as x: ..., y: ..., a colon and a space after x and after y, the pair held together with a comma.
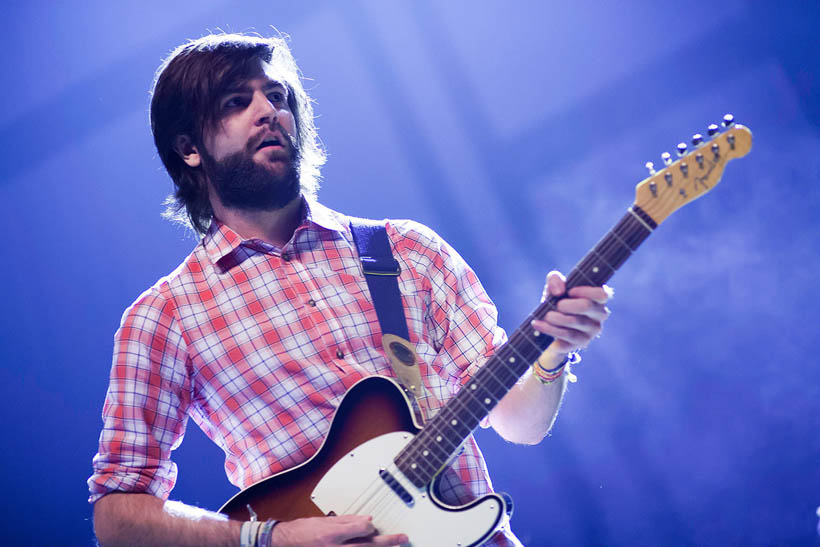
x: 366, y: 494
x: 376, y: 504
x: 392, y: 508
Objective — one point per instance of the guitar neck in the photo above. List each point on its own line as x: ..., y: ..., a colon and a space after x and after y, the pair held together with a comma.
x: 441, y: 437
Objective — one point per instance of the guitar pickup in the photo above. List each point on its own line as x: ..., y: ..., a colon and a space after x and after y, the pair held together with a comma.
x: 394, y: 485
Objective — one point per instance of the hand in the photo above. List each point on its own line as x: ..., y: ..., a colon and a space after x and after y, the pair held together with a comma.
x: 331, y: 531
x: 577, y: 318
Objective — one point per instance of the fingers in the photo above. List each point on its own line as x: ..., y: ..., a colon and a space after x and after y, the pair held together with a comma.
x: 556, y: 283
x: 394, y: 539
x: 335, y: 530
x: 578, y: 317
x: 598, y: 294
x: 567, y: 338
x: 581, y: 307
x: 359, y: 530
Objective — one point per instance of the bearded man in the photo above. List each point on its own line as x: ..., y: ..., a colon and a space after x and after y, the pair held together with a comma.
x: 260, y: 331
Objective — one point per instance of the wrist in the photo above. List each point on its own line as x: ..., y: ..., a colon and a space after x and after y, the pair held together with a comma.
x: 257, y: 533
x: 551, y: 366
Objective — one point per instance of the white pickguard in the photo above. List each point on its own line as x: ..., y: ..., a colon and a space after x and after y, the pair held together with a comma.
x: 353, y: 486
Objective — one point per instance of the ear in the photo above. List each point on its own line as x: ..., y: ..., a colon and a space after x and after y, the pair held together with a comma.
x: 184, y: 146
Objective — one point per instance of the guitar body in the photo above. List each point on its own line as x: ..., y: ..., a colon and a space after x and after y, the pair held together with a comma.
x: 353, y: 473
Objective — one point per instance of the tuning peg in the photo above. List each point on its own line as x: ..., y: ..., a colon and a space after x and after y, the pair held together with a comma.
x: 681, y: 148
x: 697, y: 138
x: 712, y: 129
x: 667, y: 158
x: 651, y: 167
x: 728, y: 120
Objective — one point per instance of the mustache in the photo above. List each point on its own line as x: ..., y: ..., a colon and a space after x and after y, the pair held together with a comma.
x: 290, y: 143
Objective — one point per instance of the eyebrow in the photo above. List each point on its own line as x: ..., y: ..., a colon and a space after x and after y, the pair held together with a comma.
x: 245, y: 88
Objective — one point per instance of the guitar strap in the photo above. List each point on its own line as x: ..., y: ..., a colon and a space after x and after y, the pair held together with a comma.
x: 381, y: 271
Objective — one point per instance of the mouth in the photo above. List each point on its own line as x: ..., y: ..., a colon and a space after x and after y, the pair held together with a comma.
x: 272, y: 141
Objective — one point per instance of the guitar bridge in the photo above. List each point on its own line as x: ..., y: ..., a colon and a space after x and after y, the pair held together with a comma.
x: 394, y: 485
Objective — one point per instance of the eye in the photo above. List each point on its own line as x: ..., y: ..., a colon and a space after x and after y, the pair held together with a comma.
x: 236, y: 101
x: 276, y: 97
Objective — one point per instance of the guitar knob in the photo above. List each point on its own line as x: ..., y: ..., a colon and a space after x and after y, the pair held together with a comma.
x: 728, y: 120
x: 697, y: 138
x: 682, y: 149
x: 712, y: 129
x: 651, y: 167
x: 667, y: 158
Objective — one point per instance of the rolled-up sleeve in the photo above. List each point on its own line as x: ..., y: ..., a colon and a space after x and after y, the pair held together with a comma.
x: 145, y: 410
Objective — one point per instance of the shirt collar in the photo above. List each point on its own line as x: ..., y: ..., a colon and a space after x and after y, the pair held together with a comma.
x: 221, y: 241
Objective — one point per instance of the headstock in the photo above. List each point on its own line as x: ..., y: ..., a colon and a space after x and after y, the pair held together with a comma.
x: 694, y: 173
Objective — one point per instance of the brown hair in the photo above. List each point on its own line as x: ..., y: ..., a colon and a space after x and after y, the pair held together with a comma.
x: 185, y: 101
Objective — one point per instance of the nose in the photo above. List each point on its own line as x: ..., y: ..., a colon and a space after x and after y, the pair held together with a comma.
x: 266, y: 112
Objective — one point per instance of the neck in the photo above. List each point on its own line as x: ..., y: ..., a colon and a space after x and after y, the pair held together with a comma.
x: 273, y: 226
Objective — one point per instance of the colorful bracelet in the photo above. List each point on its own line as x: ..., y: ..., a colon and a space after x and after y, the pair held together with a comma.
x: 548, y: 376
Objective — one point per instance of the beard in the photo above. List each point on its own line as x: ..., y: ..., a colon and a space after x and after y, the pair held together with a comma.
x: 242, y: 183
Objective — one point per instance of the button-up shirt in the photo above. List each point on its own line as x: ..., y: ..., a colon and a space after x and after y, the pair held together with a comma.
x: 258, y: 344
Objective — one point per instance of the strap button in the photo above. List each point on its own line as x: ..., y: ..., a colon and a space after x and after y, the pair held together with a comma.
x: 340, y: 354
x: 312, y: 302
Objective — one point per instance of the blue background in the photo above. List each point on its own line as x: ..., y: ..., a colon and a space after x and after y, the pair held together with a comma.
x: 515, y: 129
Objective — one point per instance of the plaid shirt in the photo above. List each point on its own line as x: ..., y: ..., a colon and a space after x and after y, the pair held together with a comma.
x: 258, y: 345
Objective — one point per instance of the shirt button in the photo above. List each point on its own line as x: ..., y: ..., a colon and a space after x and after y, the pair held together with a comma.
x: 340, y: 354
x: 312, y: 302
x: 286, y: 257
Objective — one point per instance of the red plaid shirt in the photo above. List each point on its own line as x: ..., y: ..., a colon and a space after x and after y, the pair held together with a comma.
x: 258, y: 345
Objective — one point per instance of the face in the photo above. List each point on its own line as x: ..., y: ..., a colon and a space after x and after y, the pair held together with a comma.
x: 254, y: 119
x: 250, y: 157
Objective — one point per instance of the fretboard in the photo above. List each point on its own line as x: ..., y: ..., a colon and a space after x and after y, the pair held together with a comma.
x: 441, y: 437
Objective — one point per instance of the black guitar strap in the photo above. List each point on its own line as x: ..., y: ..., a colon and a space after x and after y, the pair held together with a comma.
x: 381, y: 271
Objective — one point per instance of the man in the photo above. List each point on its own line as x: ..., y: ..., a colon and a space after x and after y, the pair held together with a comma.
x: 260, y: 331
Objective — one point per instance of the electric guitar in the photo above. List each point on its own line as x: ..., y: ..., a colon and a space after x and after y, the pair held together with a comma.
x: 377, y: 460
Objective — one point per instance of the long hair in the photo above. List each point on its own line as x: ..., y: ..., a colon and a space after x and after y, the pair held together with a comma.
x: 185, y: 101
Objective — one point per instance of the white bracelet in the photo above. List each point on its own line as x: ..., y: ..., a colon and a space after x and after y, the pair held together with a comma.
x: 249, y: 533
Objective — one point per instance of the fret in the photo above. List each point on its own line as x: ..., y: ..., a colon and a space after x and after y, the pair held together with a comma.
x: 513, y: 359
x: 635, y: 228
x: 497, y: 369
x: 591, y: 267
x: 424, y: 465
x: 626, y: 246
x: 572, y: 277
x: 473, y: 407
x: 610, y: 267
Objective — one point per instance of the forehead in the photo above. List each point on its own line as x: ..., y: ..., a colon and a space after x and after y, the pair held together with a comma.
x: 259, y: 75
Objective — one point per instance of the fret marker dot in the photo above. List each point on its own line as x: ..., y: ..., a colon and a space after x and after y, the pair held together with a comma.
x: 438, y: 439
x: 412, y: 466
x: 512, y: 359
x: 474, y: 387
x: 536, y: 333
x: 487, y: 401
x: 595, y: 269
x: 454, y: 422
x: 426, y: 453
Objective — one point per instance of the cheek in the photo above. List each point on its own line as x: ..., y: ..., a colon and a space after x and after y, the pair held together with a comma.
x: 287, y: 121
x: 224, y: 144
